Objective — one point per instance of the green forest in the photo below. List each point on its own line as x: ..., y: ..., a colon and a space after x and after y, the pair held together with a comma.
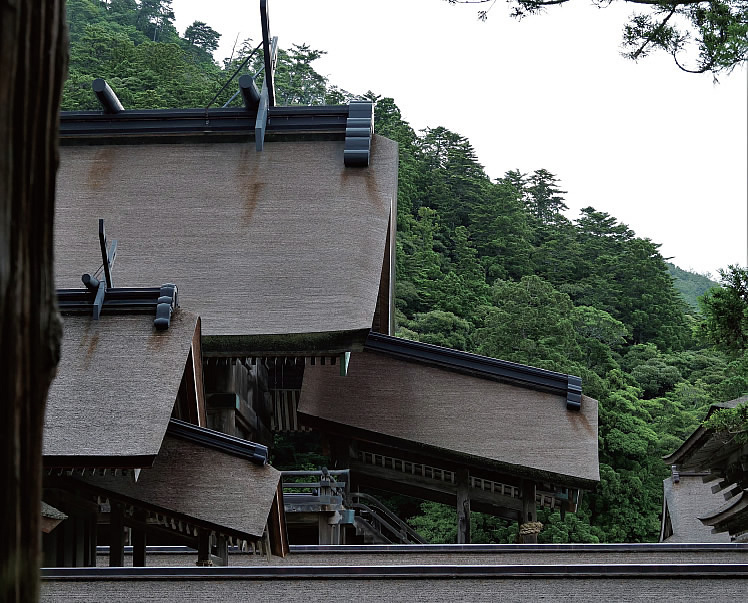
x: 488, y: 266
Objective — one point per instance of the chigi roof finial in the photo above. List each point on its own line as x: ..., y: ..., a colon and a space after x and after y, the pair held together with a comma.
x: 101, y: 294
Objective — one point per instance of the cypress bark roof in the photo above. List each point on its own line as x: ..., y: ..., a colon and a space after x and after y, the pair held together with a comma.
x: 685, y: 502
x: 115, y: 389
x: 282, y: 242
x: 515, y: 429
x: 203, y: 484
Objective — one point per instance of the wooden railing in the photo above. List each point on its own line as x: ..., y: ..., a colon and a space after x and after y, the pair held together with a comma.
x: 546, y: 500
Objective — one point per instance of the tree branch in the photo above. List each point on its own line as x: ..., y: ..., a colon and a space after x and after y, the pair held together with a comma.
x: 656, y: 32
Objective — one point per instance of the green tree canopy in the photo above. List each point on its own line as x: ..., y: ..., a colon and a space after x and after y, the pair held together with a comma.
x: 203, y: 36
x: 726, y: 311
x: 701, y: 35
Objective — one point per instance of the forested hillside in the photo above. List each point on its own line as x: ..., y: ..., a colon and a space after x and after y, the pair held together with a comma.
x: 490, y: 266
x: 691, y: 285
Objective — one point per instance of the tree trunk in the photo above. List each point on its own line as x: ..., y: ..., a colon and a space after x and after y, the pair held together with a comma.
x: 33, y: 61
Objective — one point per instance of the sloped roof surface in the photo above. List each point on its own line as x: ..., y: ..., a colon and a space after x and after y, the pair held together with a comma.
x: 686, y: 501
x: 702, y: 444
x: 203, y: 484
x: 517, y: 427
x: 283, y: 241
x: 116, y: 385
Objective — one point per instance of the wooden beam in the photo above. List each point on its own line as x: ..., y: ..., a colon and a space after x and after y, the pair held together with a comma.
x: 463, y: 506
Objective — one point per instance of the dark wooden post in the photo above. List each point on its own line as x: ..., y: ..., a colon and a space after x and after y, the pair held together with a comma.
x: 139, y: 540
x: 116, y: 536
x: 529, y: 527
x: 91, y: 540
x: 203, y: 548
x: 33, y: 62
x: 222, y: 550
x: 463, y: 506
x: 324, y: 529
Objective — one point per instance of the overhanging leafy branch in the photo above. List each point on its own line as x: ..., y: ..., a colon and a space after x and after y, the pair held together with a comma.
x: 701, y: 35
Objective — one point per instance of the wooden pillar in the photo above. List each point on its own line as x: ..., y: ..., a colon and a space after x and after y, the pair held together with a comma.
x: 463, y: 506
x: 116, y: 536
x: 80, y: 544
x: 49, y: 549
x: 529, y: 526
x: 33, y: 59
x: 324, y: 529
x: 68, y: 542
x: 92, y: 536
x: 139, y: 540
x: 203, y: 548
x: 222, y: 550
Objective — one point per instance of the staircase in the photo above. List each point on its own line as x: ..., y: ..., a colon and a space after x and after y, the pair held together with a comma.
x: 324, y: 497
x: 377, y: 524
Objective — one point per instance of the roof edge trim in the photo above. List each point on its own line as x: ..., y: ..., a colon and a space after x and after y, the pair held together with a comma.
x: 257, y: 453
x: 569, y: 386
x: 329, y: 119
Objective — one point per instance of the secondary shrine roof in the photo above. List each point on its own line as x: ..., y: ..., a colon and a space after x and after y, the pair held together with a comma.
x: 203, y: 484
x: 116, y: 385
x: 517, y: 429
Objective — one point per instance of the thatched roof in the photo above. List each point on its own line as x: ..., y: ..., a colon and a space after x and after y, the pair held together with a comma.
x: 115, y: 389
x: 202, y: 484
x: 685, y: 502
x: 282, y: 242
x: 515, y: 429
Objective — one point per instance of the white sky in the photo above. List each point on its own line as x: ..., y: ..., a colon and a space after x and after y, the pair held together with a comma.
x: 661, y: 150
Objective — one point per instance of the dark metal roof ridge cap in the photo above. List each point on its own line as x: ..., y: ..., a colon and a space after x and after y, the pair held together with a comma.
x: 568, y: 385
x: 257, y: 453
x: 200, y: 112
